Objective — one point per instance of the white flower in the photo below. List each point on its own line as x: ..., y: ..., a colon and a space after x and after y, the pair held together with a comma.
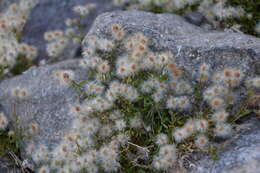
x: 120, y: 124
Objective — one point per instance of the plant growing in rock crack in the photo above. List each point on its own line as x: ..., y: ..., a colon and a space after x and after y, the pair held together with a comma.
x: 139, y: 110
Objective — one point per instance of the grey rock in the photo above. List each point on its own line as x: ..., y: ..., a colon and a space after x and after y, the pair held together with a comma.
x: 206, y: 26
x: 190, y: 44
x: 47, y: 103
x: 195, y: 18
x: 51, y: 15
x: 241, y: 153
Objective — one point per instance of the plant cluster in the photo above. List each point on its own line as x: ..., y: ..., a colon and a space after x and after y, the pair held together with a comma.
x: 139, y: 110
x: 3, y: 121
x: 59, y: 40
x: 12, y: 137
x: 237, y: 14
x: 11, y: 26
x: 11, y: 142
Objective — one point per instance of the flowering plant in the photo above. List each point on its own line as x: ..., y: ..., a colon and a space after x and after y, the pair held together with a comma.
x: 139, y: 108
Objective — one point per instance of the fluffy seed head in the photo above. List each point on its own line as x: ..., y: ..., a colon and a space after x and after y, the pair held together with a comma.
x: 220, y: 116
x: 87, y: 52
x: 120, y: 124
x: 177, y: 73
x: 34, y: 128
x: 201, y: 141
x: 64, y: 76
x: 157, y: 96
x: 167, y: 150
x: 204, y: 68
x: 162, y: 139
x: 116, y: 27
x: 183, y: 103
x: 180, y: 134
x: 136, y: 122
x: 117, y: 31
x: 105, y: 45
x: 189, y: 127
x: 202, y: 125
x: 104, y: 67
x: 217, y: 103
x: 166, y: 157
x: 3, y: 121
x: 172, y: 103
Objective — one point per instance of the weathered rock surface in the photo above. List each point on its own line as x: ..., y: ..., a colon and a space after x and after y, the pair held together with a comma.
x: 190, y: 44
x: 241, y: 153
x: 48, y: 101
x: 51, y: 15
